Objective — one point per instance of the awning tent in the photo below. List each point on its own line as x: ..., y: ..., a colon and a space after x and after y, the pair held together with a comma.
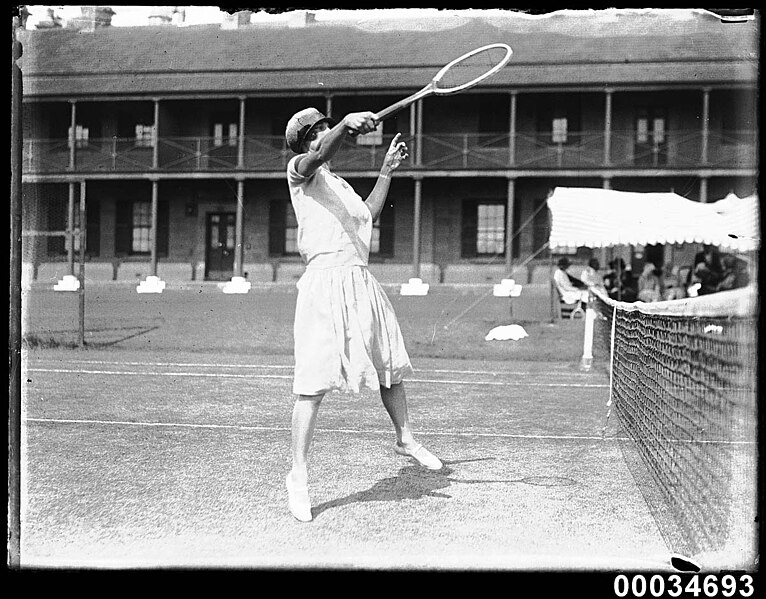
x: 596, y: 218
x: 741, y: 217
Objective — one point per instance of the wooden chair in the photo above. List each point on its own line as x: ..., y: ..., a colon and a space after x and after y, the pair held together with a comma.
x: 572, y: 311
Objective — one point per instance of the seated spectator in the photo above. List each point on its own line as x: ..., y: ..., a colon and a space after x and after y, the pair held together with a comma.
x: 706, y: 271
x: 734, y: 275
x: 649, y: 286
x: 705, y: 280
x: 672, y: 288
x: 567, y: 285
x: 619, y: 282
x: 590, y: 275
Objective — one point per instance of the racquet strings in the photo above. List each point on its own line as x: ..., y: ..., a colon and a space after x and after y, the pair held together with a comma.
x: 471, y: 68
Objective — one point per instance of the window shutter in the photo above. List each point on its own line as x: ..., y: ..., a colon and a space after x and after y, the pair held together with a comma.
x: 123, y: 227
x: 93, y: 227
x: 57, y: 221
x: 277, y: 210
x: 163, y: 227
x: 468, y: 230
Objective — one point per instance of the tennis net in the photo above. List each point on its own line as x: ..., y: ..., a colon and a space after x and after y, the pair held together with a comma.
x: 683, y: 388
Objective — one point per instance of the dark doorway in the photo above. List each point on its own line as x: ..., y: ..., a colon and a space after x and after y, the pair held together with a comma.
x: 219, y: 253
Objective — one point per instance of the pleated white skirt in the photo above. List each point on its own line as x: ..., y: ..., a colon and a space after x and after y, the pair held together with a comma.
x: 346, y: 333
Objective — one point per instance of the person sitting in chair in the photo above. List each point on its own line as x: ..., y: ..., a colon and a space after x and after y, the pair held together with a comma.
x: 619, y: 282
x: 571, y: 289
x: 649, y: 284
x: 590, y: 276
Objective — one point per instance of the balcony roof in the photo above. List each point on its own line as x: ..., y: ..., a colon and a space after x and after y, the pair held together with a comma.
x: 640, y: 48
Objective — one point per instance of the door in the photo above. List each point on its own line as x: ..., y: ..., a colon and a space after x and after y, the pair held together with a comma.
x: 224, y: 143
x: 651, y: 146
x: 219, y: 254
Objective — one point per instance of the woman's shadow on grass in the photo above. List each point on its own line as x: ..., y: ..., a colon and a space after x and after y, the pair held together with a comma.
x: 416, y: 482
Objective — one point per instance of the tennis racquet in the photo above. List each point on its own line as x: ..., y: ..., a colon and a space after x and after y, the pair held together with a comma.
x: 464, y: 72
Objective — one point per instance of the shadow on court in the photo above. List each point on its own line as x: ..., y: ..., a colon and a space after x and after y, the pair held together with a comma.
x: 417, y: 482
x: 97, y: 338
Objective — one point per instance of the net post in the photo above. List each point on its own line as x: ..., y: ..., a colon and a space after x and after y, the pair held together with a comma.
x: 587, y: 349
x: 551, y: 290
x: 70, y: 228
x: 81, y: 274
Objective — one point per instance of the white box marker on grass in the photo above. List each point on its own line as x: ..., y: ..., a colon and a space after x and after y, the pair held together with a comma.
x: 415, y: 287
x: 152, y: 284
x: 68, y: 283
x: 236, y: 285
x: 507, y: 288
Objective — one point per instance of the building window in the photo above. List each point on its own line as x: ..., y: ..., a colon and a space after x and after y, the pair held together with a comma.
x: 559, y: 128
x: 650, y: 147
x: 133, y: 225
x: 283, y: 228
x: 80, y: 136
x: 558, y: 119
x: 483, y: 229
x: 291, y: 230
x: 141, y: 228
x: 225, y: 134
x: 490, y: 230
x: 145, y: 136
x: 650, y: 130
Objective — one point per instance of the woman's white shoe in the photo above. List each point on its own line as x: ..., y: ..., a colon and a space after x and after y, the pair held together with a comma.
x: 298, y: 500
x: 420, y: 454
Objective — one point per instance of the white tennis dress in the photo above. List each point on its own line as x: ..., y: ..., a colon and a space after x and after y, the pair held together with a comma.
x: 346, y: 333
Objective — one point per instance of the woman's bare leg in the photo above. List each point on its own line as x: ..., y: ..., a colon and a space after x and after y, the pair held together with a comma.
x: 395, y: 402
x: 303, y: 422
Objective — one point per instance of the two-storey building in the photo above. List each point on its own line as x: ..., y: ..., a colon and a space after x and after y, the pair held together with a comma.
x: 174, y: 136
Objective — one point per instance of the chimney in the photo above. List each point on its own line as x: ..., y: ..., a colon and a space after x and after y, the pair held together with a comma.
x: 162, y: 15
x: 179, y: 16
x: 236, y: 21
x: 92, y: 18
x: 23, y: 16
x: 302, y: 18
x: 51, y: 22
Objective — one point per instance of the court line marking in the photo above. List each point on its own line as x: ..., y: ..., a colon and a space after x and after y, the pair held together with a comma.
x: 362, y: 432
x: 323, y: 430
x: 291, y: 366
x: 287, y: 376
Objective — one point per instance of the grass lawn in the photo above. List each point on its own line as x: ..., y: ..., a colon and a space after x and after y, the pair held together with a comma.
x: 450, y: 323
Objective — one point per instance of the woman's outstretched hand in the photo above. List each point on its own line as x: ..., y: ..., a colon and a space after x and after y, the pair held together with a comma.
x: 397, y: 152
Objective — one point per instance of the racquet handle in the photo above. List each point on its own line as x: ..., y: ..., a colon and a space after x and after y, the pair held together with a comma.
x: 354, y: 132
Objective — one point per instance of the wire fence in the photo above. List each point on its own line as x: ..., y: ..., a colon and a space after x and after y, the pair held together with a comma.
x: 53, y: 241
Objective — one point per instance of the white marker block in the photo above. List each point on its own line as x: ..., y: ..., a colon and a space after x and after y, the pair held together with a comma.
x: 152, y: 284
x: 415, y: 286
x: 68, y: 283
x: 236, y: 285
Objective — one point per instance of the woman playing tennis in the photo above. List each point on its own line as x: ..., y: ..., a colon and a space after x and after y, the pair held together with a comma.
x: 346, y: 333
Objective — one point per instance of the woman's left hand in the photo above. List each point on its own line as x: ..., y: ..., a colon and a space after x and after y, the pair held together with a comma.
x: 397, y: 152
